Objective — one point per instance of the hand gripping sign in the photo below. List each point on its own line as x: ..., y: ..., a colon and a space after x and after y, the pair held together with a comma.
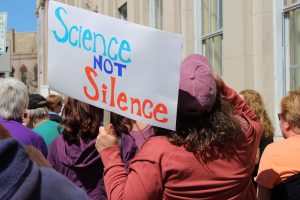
x: 113, y: 64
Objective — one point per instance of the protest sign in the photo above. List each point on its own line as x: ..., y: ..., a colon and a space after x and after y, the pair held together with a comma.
x: 113, y: 64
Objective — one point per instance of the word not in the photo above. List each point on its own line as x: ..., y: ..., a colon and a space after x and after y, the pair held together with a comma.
x: 78, y: 37
x: 107, y: 65
x: 145, y: 108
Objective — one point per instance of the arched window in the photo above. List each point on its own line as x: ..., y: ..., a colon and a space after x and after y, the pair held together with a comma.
x: 23, y: 71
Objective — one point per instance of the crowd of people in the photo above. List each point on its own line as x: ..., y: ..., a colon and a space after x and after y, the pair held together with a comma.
x: 222, y: 148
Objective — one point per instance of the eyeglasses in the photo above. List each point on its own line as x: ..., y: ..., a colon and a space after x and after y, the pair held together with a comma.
x: 279, y: 116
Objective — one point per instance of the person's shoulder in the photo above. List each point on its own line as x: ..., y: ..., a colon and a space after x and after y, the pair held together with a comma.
x: 30, y: 133
x: 53, y: 123
x: 56, y: 142
x: 278, y: 144
x: 158, y: 141
x: 56, y: 184
x: 155, y: 149
x: 275, y: 149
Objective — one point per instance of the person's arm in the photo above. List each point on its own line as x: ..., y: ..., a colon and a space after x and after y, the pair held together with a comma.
x: 233, y: 97
x: 250, y: 123
x: 263, y: 193
x: 143, y: 180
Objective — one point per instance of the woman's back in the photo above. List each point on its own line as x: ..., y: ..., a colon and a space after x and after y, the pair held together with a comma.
x: 73, y: 153
x: 80, y: 164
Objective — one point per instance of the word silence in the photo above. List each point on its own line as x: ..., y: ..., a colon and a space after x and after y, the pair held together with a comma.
x: 134, y: 105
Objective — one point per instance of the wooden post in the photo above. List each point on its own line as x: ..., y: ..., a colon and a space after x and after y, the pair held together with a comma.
x: 106, y: 120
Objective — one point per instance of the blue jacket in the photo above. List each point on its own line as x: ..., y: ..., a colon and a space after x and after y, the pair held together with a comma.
x: 21, y: 178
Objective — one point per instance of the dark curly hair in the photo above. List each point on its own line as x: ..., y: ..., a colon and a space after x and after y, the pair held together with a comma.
x: 80, y: 120
x: 216, y: 128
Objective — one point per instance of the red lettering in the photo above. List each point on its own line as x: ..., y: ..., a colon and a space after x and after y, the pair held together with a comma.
x: 122, y: 98
x: 147, y: 101
x: 160, y: 108
x: 88, y: 71
x: 112, y: 94
x: 104, y: 92
x: 138, y: 102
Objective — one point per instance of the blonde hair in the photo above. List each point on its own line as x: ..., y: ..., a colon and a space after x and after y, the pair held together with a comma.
x: 290, y: 108
x: 256, y: 103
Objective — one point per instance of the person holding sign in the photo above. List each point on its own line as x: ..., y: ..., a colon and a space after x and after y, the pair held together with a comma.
x: 133, y: 134
x: 73, y: 153
x: 211, y: 155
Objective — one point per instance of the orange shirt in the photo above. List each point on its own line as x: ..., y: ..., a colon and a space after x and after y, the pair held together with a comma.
x: 279, y: 161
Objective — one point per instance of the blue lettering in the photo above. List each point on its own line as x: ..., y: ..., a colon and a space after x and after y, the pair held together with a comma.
x: 120, y: 68
x: 103, y: 42
x: 74, y: 44
x: 105, y: 66
x: 126, y: 47
x: 65, y: 37
x: 115, y: 56
x: 80, y: 30
x: 87, y: 35
x: 98, y: 62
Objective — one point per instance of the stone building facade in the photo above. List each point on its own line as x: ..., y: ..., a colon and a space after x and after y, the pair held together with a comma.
x: 24, y: 58
x: 251, y: 43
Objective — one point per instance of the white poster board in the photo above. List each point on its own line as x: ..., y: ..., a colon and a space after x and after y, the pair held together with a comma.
x: 3, y: 24
x: 113, y: 64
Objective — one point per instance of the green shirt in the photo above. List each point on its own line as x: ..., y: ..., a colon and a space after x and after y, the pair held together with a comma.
x: 48, y: 130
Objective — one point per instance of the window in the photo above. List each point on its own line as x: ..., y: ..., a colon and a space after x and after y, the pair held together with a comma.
x: 291, y: 14
x: 23, y: 71
x: 290, y: 2
x: 158, y: 14
x: 123, y: 12
x: 212, y: 32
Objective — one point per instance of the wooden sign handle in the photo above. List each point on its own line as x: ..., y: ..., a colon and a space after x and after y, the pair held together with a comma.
x: 106, y: 120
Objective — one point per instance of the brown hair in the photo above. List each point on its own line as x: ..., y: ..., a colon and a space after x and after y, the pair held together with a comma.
x: 80, y: 120
x: 53, y: 101
x: 255, y: 101
x: 290, y: 108
x: 216, y: 128
x: 121, y: 124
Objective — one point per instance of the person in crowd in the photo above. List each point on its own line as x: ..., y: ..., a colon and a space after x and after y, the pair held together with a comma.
x: 73, y: 153
x: 133, y: 135
x: 26, y: 174
x: 256, y: 103
x: 280, y: 160
x: 211, y: 155
x: 54, y: 104
x: 39, y: 120
x: 13, y: 103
